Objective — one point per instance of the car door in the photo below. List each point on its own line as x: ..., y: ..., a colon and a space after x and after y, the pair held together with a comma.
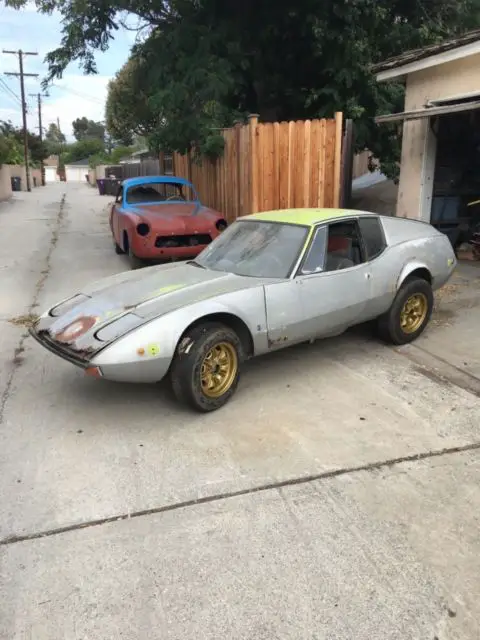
x: 334, y: 280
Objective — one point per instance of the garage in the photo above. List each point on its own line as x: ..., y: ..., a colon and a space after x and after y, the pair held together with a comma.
x: 50, y: 174
x: 76, y: 171
x: 440, y: 162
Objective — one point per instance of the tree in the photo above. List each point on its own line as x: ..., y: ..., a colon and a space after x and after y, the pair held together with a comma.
x: 11, y: 145
x: 85, y: 129
x: 200, y: 64
x: 83, y: 149
x: 55, y: 139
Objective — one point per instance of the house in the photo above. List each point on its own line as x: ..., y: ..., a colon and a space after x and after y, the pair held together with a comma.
x: 440, y: 162
x: 76, y: 171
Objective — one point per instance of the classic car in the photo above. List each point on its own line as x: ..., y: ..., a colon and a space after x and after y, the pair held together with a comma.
x: 269, y: 281
x: 161, y: 218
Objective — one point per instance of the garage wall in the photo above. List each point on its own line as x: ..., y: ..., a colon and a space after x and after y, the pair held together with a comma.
x: 51, y: 174
x: 5, y: 184
x: 18, y: 171
x: 75, y: 174
x: 419, y: 147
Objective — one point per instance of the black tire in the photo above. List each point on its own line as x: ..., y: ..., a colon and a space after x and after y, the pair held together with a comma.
x: 186, y: 369
x: 390, y: 324
x: 118, y: 249
x: 135, y: 263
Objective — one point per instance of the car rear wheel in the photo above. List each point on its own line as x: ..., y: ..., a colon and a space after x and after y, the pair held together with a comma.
x: 206, y: 367
x: 409, y: 314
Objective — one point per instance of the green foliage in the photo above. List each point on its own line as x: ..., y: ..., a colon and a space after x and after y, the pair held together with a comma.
x: 54, y: 139
x: 85, y: 129
x: 11, y: 145
x: 83, y: 149
x: 201, y: 64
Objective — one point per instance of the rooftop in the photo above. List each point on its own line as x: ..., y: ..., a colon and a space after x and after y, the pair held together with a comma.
x: 415, y: 55
x: 307, y: 217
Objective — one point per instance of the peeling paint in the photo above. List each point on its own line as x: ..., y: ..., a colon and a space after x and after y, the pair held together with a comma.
x: 185, y: 345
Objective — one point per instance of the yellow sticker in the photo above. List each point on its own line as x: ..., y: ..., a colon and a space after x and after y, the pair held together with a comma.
x: 153, y: 349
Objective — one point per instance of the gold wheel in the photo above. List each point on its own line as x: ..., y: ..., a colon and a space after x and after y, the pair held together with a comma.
x: 414, y: 313
x: 219, y: 369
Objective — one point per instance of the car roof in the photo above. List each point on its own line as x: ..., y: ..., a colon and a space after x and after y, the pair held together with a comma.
x: 307, y: 217
x: 132, y: 182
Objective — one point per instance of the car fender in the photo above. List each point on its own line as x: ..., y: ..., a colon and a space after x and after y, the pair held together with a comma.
x: 409, y: 268
x: 158, y: 338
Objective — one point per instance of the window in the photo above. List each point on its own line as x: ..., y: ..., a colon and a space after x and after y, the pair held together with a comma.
x: 372, y: 233
x: 344, y: 248
x: 315, y: 259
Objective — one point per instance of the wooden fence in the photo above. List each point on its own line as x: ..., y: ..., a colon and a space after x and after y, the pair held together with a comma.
x: 270, y: 166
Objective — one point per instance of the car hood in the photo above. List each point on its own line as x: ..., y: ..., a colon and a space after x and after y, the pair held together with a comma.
x: 174, y: 209
x: 146, y: 293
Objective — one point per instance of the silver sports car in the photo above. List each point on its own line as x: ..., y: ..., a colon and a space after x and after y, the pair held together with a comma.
x: 269, y: 281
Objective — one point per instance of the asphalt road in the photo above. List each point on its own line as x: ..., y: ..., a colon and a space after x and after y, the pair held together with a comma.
x: 336, y: 497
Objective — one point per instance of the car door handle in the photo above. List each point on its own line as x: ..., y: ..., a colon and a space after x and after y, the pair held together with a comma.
x: 368, y: 276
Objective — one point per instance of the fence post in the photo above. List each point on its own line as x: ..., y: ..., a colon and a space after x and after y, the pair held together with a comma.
x: 347, y: 165
x: 338, y: 158
x: 253, y: 122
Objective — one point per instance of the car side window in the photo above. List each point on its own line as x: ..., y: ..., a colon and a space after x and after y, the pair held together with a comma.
x: 344, y: 248
x: 315, y: 259
x: 373, y: 238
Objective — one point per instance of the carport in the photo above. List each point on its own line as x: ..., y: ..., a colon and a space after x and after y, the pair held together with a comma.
x: 440, y: 162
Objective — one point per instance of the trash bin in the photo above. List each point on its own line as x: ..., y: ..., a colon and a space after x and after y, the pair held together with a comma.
x: 101, y: 186
x: 16, y: 183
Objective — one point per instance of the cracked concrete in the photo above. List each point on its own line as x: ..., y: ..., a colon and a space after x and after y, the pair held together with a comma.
x: 336, y: 497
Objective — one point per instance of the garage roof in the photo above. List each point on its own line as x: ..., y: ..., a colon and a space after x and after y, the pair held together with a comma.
x: 429, y: 111
x: 416, y: 59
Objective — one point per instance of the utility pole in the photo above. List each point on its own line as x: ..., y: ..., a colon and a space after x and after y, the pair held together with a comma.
x: 23, y: 75
x: 40, y: 128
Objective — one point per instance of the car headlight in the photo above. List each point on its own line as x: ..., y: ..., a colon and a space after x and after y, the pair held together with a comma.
x: 66, y: 305
x: 221, y: 225
x: 118, y: 327
x: 143, y: 229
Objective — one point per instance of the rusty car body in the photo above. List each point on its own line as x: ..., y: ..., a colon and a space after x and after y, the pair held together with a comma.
x: 270, y: 280
x: 161, y: 218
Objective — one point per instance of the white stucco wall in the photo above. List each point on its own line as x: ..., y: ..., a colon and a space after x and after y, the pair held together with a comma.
x: 418, y: 147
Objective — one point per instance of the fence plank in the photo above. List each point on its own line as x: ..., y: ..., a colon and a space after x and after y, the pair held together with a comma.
x: 329, y: 164
x: 284, y: 166
x: 306, y: 162
x: 268, y: 166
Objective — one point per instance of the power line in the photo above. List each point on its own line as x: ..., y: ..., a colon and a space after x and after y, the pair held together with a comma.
x: 8, y: 95
x: 9, y: 92
x: 22, y: 76
x: 79, y: 94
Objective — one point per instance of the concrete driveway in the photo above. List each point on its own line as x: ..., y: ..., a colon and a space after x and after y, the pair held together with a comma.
x: 337, y: 496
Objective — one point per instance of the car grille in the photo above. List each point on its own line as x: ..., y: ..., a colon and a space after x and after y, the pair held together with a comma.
x: 170, y: 242
x: 78, y: 358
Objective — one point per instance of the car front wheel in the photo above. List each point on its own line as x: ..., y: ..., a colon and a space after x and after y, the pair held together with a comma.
x: 206, y: 367
x: 409, y: 314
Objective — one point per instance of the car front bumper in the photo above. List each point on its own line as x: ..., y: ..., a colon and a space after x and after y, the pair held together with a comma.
x: 79, y: 359
x: 97, y: 364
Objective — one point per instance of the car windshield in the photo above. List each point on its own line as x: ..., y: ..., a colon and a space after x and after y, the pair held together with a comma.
x: 255, y: 248
x: 153, y: 192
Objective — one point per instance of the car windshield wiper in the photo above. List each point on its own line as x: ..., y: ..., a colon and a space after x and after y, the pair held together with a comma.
x: 196, y: 264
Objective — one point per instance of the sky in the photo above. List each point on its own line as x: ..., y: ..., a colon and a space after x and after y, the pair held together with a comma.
x: 73, y: 96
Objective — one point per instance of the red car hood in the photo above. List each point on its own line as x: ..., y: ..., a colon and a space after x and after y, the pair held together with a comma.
x: 177, y: 217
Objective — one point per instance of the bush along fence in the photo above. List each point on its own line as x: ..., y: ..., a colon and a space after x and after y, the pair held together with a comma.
x: 268, y: 166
